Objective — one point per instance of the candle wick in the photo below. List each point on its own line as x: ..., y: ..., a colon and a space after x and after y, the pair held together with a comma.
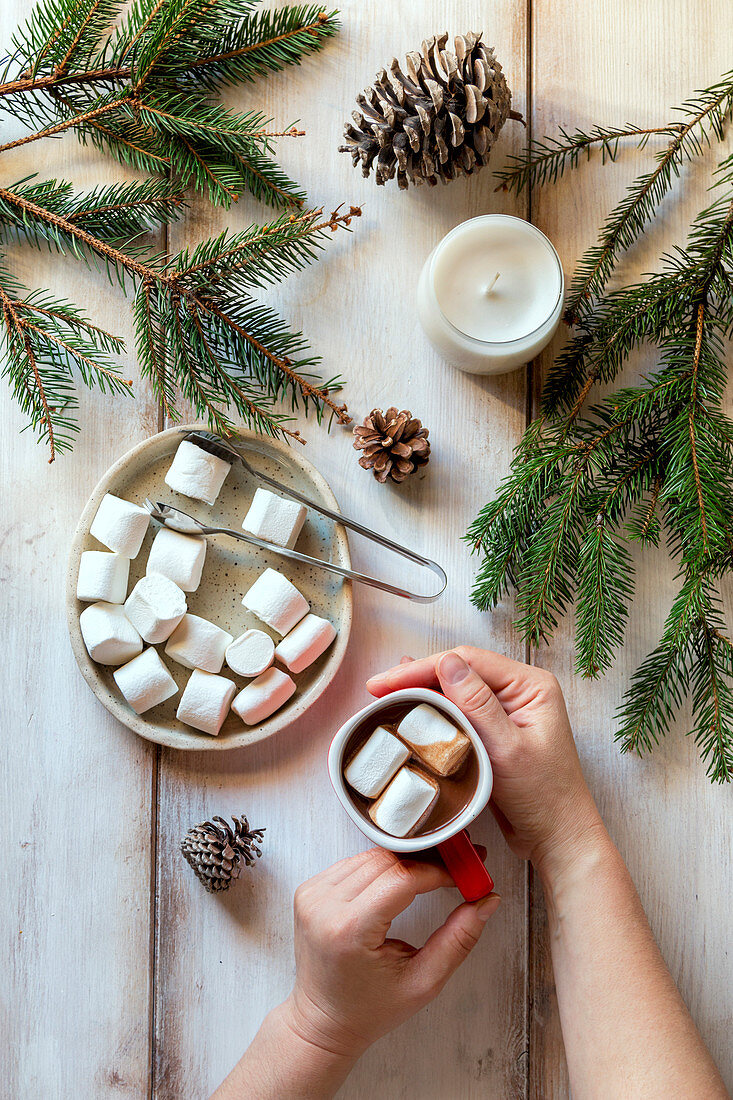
x: 492, y: 284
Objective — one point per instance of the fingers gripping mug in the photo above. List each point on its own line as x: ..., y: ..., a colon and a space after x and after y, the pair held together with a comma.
x: 450, y: 838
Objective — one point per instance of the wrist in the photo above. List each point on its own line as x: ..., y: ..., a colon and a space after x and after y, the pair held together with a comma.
x: 573, y: 843
x: 316, y: 1036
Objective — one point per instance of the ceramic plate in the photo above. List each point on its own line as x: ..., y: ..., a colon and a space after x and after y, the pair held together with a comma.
x: 231, y: 567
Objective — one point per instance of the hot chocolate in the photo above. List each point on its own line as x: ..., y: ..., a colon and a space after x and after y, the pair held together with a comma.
x: 396, y: 757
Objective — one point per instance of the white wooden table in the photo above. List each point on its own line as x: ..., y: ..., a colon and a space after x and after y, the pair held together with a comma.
x: 121, y: 976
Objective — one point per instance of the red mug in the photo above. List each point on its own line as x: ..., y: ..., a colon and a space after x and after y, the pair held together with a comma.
x: 452, y: 840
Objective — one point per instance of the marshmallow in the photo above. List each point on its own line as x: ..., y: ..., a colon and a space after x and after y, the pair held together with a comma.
x: 276, y: 601
x: 102, y: 576
x: 435, y: 739
x: 376, y: 762
x: 311, y: 637
x: 251, y: 653
x: 145, y: 681
x: 274, y: 519
x: 205, y: 701
x: 263, y: 696
x: 196, y: 473
x: 108, y: 634
x: 155, y: 607
x: 406, y: 803
x: 120, y: 525
x: 178, y: 557
x: 197, y: 643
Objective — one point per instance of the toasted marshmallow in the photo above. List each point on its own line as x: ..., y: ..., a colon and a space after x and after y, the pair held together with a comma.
x: 197, y: 643
x: 274, y: 518
x: 376, y: 762
x: 276, y: 601
x: 108, y: 634
x: 120, y: 525
x: 435, y: 739
x: 155, y: 607
x: 196, y: 473
x: 251, y: 653
x: 406, y: 803
x: 205, y: 701
x: 263, y: 696
x: 145, y: 681
x: 102, y: 576
x: 178, y: 557
x: 303, y: 645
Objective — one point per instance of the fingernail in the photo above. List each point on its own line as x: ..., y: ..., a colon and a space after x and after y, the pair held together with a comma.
x: 488, y: 906
x: 452, y: 668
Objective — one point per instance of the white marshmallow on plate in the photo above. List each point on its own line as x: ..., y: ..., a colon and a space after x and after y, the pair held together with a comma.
x: 378, y: 759
x: 198, y: 643
x: 406, y: 803
x: 276, y: 601
x: 196, y: 473
x: 435, y: 739
x: 103, y: 575
x: 120, y: 525
x: 274, y: 518
x: 178, y: 557
x: 205, y: 701
x: 263, y: 696
x: 305, y: 643
x: 108, y: 634
x: 155, y: 607
x: 251, y: 653
x: 145, y: 681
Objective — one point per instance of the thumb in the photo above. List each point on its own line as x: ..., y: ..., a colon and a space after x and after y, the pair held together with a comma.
x: 451, y: 944
x: 474, y: 697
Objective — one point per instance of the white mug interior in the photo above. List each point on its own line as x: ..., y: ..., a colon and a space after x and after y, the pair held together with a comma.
x: 481, y: 795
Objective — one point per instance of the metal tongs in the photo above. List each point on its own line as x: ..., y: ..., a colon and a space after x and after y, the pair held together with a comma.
x: 187, y: 525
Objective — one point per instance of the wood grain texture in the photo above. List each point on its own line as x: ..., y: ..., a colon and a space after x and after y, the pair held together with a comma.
x: 631, y: 63
x: 76, y: 787
x: 357, y: 307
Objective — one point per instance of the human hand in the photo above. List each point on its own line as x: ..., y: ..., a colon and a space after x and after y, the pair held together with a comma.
x: 353, y: 983
x: 540, y: 798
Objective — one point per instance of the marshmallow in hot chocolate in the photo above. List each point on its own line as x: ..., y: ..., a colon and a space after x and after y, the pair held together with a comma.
x: 275, y: 519
x: 120, y: 525
x: 277, y: 602
x: 435, y: 739
x: 376, y: 762
x: 305, y: 643
x: 406, y: 803
x: 103, y: 575
x: 197, y: 474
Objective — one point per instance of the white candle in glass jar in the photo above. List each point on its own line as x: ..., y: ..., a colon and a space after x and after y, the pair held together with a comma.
x: 490, y: 294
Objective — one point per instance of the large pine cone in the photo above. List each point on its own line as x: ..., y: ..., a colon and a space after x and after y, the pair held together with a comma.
x: 394, y: 444
x: 436, y: 120
x: 217, y: 852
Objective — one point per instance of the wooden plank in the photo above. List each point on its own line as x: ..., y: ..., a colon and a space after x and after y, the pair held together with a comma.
x: 612, y: 63
x: 76, y: 786
x: 223, y: 962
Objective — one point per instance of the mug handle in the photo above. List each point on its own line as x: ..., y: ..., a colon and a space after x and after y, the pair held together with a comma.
x: 466, y: 866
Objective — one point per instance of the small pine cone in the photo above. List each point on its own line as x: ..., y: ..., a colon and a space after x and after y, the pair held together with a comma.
x: 436, y: 120
x: 217, y: 852
x: 394, y: 444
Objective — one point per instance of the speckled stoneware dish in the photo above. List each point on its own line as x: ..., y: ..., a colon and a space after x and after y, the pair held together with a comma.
x: 231, y: 567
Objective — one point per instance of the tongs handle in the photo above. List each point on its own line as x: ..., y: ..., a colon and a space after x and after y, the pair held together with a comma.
x: 373, y: 536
